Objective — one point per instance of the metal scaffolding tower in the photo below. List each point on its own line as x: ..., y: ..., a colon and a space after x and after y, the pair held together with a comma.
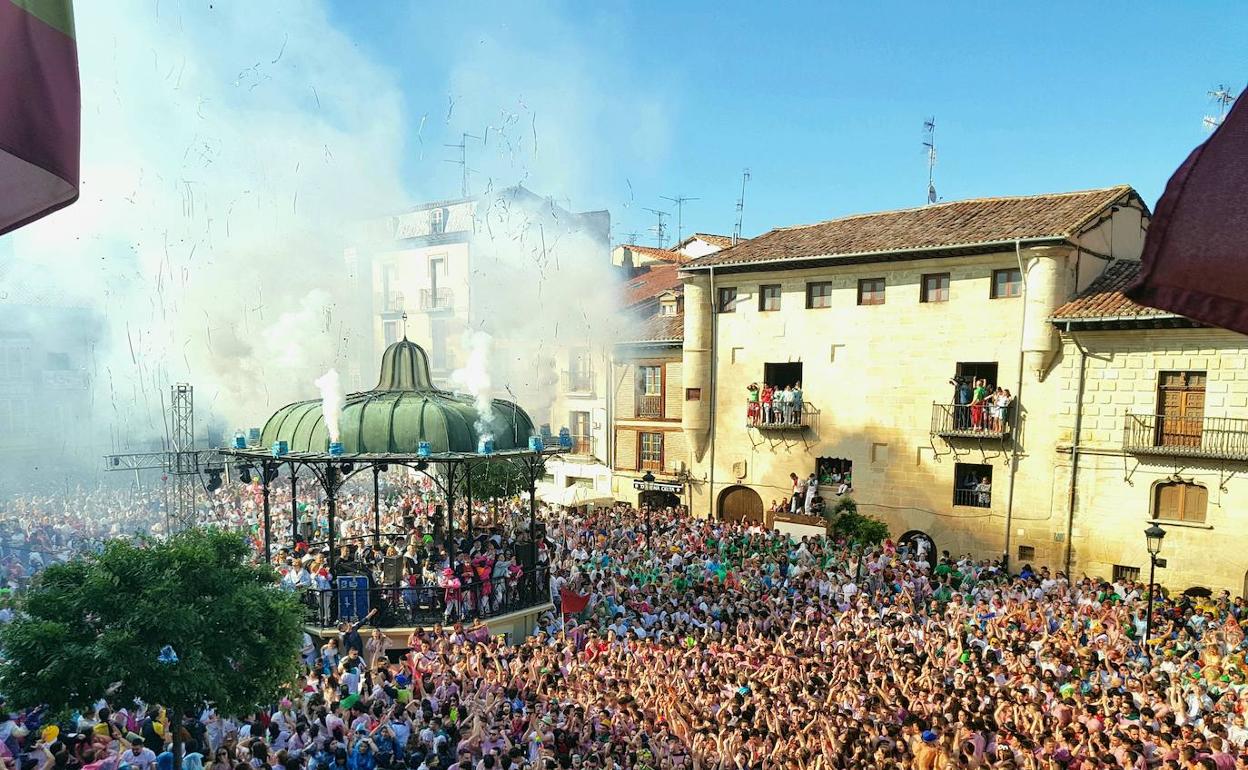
x: 184, y: 473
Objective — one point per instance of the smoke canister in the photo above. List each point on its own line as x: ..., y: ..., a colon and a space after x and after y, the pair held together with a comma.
x: 253, y: 436
x: 565, y: 438
x: 240, y: 441
x: 423, y: 449
x: 280, y: 448
x: 535, y: 444
x: 485, y: 445
x: 335, y: 448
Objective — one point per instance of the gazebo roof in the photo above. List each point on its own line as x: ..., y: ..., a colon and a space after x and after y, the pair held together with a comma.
x: 402, y: 411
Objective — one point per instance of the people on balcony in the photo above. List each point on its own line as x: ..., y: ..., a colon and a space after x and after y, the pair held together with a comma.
x: 773, y: 405
x: 980, y: 406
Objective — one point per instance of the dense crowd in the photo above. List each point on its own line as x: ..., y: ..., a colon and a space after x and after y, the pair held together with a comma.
x: 712, y: 646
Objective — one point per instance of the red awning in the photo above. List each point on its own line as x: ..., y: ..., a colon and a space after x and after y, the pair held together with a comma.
x: 39, y: 110
x: 1196, y: 253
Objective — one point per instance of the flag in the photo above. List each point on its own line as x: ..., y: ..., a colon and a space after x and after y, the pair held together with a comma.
x: 40, y: 110
x: 1195, y: 260
x: 570, y: 602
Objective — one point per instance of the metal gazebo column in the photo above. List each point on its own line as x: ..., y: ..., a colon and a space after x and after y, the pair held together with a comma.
x: 268, y: 524
x: 450, y: 515
x: 294, y: 504
x: 376, y: 508
x: 331, y: 494
x: 468, y: 487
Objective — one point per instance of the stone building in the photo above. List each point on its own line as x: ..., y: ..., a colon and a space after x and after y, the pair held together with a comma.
x: 1152, y: 418
x: 876, y: 316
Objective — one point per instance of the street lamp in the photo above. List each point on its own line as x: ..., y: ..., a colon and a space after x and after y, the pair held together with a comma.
x: 1152, y: 537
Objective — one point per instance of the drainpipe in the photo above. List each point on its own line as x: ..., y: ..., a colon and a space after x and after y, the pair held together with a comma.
x: 608, y: 424
x: 1074, y: 450
x: 1018, y: 409
x: 710, y: 487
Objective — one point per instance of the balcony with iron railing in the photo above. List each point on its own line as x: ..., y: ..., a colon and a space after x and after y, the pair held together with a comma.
x: 967, y: 421
x: 1222, y: 438
x: 779, y: 418
x: 649, y: 406
x: 973, y: 497
x: 582, y: 445
x: 436, y: 299
x: 577, y: 381
x: 392, y: 303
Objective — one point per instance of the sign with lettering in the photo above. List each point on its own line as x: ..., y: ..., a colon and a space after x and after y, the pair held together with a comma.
x: 658, y: 486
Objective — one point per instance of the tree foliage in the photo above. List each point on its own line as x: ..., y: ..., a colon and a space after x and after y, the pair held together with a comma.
x: 498, y: 478
x: 94, y: 628
x: 844, y: 522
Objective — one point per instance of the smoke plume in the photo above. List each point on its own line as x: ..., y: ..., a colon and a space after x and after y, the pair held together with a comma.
x: 474, y: 379
x: 332, y: 402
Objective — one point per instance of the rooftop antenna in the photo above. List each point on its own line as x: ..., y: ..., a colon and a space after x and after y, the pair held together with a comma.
x: 660, y: 230
x: 632, y: 237
x: 680, y: 202
x: 463, y: 160
x: 1222, y: 97
x: 929, y: 141
x: 736, y: 229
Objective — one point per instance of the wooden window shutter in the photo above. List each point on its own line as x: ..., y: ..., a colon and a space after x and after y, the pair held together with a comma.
x: 1169, y: 502
x: 1195, y: 502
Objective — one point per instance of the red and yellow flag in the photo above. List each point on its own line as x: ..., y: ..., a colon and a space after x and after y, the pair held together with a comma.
x: 40, y: 110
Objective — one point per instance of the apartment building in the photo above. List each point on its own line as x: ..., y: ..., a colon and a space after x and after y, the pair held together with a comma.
x: 876, y: 316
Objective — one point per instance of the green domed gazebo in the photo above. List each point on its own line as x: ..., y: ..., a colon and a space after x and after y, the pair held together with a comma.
x: 402, y: 411
x: 383, y: 428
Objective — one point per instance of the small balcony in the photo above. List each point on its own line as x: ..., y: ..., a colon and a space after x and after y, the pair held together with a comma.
x: 582, y: 445
x: 1222, y: 438
x: 779, y: 420
x: 577, y: 381
x: 967, y: 421
x: 435, y: 300
x: 392, y: 303
x: 973, y: 498
x: 649, y: 406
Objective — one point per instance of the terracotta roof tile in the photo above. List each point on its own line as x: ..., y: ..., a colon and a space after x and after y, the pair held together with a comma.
x: 657, y: 328
x: 653, y: 252
x: 1104, y: 300
x: 958, y: 224
x: 654, y: 281
x: 721, y: 241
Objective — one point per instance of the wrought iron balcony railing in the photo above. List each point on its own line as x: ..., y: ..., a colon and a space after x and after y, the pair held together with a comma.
x: 779, y: 419
x: 393, y: 302
x: 649, y: 406
x: 967, y: 421
x: 1212, y: 437
x: 577, y: 381
x: 973, y: 498
x: 435, y: 299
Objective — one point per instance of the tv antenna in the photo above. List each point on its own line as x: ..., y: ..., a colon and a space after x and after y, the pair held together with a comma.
x: 632, y: 237
x: 736, y: 229
x: 660, y: 230
x: 680, y: 202
x: 463, y: 160
x: 1222, y: 97
x: 929, y: 141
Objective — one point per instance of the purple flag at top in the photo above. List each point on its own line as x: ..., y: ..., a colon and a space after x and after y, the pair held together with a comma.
x: 40, y: 110
x: 1196, y: 253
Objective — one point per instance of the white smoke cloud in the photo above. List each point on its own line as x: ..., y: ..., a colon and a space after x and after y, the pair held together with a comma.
x: 226, y: 149
x: 474, y: 379
x: 332, y: 402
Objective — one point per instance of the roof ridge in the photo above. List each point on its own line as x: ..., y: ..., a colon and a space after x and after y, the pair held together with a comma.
x: 1121, y: 188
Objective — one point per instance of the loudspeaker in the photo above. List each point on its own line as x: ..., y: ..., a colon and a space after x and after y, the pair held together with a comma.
x: 526, y: 555
x: 392, y: 570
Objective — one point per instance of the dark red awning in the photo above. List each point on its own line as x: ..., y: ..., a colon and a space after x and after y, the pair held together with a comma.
x: 1196, y: 253
x: 40, y: 110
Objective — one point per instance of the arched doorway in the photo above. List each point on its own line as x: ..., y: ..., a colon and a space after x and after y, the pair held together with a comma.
x: 916, y: 536
x: 740, y: 504
x: 657, y: 501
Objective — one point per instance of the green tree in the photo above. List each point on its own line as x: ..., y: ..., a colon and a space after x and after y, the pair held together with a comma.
x: 496, y: 478
x: 843, y: 521
x: 95, y: 627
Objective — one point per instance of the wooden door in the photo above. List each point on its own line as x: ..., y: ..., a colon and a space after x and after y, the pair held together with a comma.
x: 741, y: 504
x: 1180, y: 409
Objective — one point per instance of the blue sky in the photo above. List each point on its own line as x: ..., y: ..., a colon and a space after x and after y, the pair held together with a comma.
x: 823, y: 102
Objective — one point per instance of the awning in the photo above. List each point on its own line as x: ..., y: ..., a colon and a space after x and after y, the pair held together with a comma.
x: 40, y: 110
x: 1196, y: 252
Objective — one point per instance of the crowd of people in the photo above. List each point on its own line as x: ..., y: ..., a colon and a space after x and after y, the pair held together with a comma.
x: 706, y: 645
